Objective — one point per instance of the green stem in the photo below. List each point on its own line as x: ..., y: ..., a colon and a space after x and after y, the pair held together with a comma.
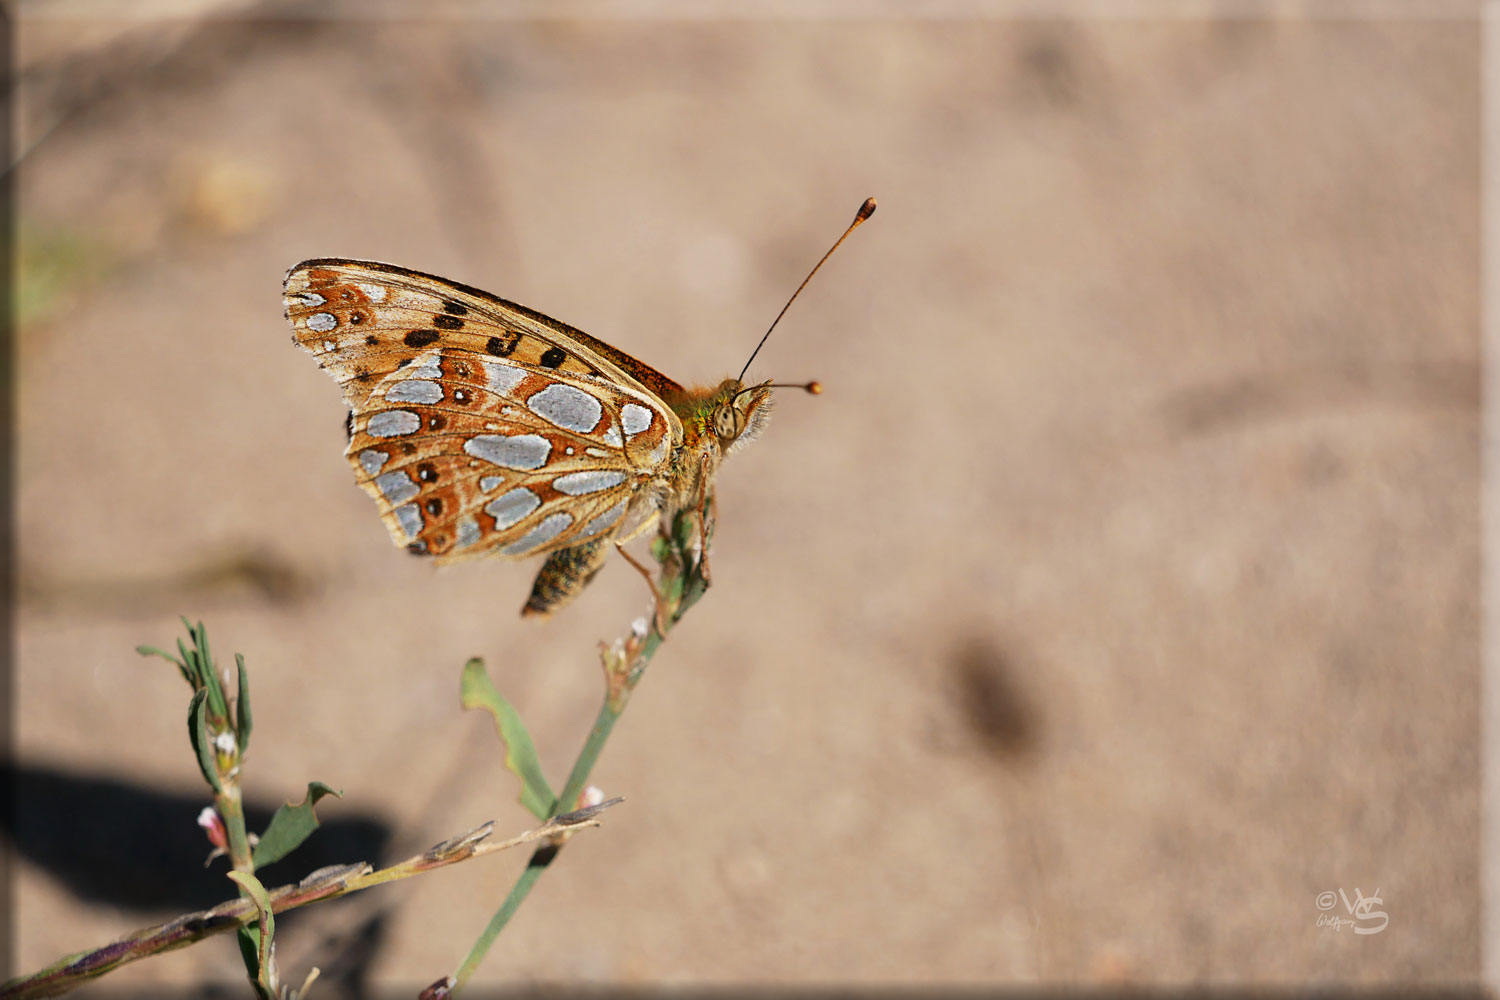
x: 694, y: 587
x: 232, y: 812
x: 543, y: 856
x: 598, y: 736
x: 540, y: 859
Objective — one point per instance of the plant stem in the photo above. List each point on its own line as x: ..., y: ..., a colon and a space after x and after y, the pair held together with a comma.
x: 689, y: 574
x: 73, y: 970
x: 578, y: 779
x: 604, y: 724
x: 232, y: 812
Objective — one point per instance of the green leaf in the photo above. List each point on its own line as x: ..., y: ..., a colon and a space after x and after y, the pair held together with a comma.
x: 248, y: 938
x: 291, y: 825
x: 262, y: 975
x: 190, y: 663
x: 520, y: 754
x: 243, y: 722
x: 181, y: 667
x: 153, y: 651
x: 203, y: 744
x: 217, y: 703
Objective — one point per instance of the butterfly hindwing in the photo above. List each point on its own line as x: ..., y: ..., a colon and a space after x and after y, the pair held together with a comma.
x: 467, y: 454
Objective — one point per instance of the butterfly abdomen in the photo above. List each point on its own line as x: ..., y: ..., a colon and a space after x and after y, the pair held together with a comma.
x: 563, y: 576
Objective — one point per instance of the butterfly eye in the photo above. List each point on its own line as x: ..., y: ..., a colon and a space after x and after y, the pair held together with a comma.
x: 724, y: 422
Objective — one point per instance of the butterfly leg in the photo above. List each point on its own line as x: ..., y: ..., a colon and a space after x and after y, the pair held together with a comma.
x: 708, y: 514
x: 656, y: 599
x: 563, y: 577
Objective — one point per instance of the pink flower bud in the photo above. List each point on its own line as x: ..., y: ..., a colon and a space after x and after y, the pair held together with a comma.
x: 214, y: 827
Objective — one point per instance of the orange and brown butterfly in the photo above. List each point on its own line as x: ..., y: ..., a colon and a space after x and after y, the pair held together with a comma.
x: 482, y: 427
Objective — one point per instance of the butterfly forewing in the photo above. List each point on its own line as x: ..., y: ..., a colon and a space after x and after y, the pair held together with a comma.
x: 468, y: 454
x: 363, y: 320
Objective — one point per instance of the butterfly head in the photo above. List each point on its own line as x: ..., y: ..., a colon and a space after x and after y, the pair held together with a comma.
x: 739, y: 413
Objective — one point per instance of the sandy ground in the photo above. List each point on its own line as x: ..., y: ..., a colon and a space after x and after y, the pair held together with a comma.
x: 1117, y: 598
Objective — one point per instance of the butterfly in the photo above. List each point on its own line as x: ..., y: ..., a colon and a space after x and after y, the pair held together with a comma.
x: 481, y: 427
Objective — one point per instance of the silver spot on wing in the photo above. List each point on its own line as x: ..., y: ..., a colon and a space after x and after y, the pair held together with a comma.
x: 589, y: 481
x: 431, y: 367
x: 414, y: 391
x: 567, y: 407
x: 523, y: 451
x: 510, y: 508
x: 502, y: 378
x: 468, y: 532
x: 636, y: 418
x: 397, y: 487
x: 550, y: 527
x: 372, y: 461
x: 392, y: 423
x: 410, y: 519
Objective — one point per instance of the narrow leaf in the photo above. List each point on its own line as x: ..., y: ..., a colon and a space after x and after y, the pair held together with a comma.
x: 217, y: 704
x: 203, y: 744
x: 291, y: 825
x: 190, y: 664
x: 181, y: 667
x: 153, y: 651
x: 243, y: 722
x: 248, y: 938
x: 263, y: 975
x: 520, y: 753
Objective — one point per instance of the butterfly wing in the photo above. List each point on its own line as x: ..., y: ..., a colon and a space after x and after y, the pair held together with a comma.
x: 363, y: 320
x: 468, y: 454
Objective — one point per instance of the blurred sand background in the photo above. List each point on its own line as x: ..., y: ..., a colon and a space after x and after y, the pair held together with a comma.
x: 1118, y: 597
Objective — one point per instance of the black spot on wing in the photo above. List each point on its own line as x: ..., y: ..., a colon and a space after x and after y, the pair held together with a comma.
x: 553, y: 356
x: 502, y: 347
x: 420, y: 338
x: 455, y: 308
x: 447, y: 322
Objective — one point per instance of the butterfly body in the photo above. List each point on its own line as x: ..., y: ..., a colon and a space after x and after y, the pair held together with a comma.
x: 482, y: 427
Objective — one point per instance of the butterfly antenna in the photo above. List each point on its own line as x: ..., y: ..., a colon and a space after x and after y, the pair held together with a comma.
x: 813, y: 388
x: 865, y: 211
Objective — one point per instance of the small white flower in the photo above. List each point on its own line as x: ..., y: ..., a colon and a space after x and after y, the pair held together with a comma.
x: 224, y: 743
x: 592, y: 795
x: 639, y: 627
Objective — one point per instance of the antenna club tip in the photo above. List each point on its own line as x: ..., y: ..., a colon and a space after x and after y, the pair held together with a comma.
x: 814, y: 388
x: 865, y: 211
